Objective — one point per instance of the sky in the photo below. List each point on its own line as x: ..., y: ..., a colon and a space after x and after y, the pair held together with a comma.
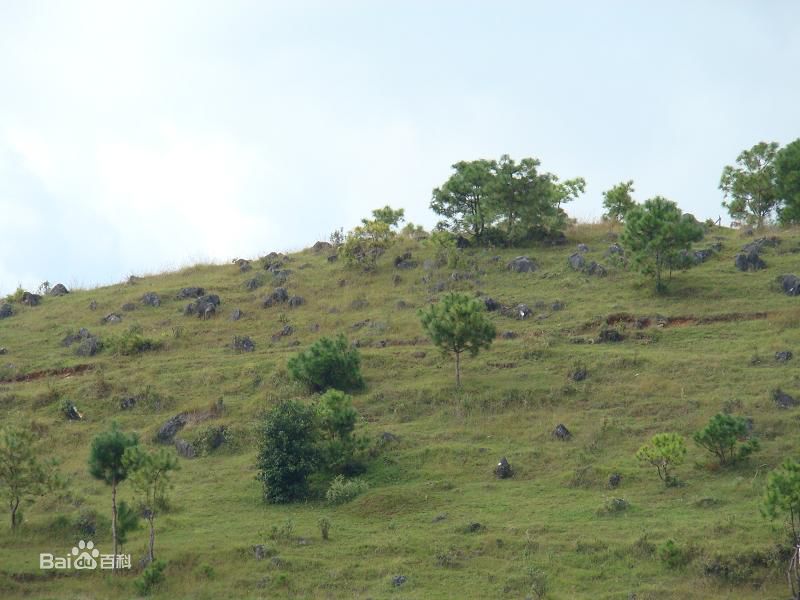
x: 142, y: 136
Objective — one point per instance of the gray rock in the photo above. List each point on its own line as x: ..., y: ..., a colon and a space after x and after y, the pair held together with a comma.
x: 491, y: 304
x: 583, y: 248
x: 236, y: 314
x: 259, y: 551
x: 190, y: 292
x: 253, y: 284
x: 6, y: 310
x: 332, y: 258
x: 93, y: 305
x: 128, y: 306
x: 399, y: 580
x: 243, y: 344
x: 151, y: 299
x: 782, y: 399
x: 320, y: 246
x: 519, y: 312
x: 286, y: 331
x: 503, y: 470
x: 614, y: 480
x: 31, y: 299
x: 127, y: 402
x: 508, y: 335
x: 790, y: 284
x: 419, y: 354
x: 185, y: 449
x: 58, y: 289
x: 609, y: 335
x: 88, y: 346
x: 171, y: 427
x: 522, y: 264
x: 112, y: 318
x: 579, y: 374
x: 387, y: 438
x: 615, y: 250
x: 204, y: 307
x: 596, y: 269
x: 761, y: 243
x: 278, y: 296
x: 561, y: 432
x: 783, y: 356
x: 296, y: 301
x: 749, y: 261
x: 576, y: 261
x: 557, y: 305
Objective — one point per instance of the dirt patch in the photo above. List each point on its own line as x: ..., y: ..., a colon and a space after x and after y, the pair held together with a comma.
x: 34, y: 375
x: 642, y: 322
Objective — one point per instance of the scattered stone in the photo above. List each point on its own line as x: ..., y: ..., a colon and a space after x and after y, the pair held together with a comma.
x: 6, y: 310
x: 88, y: 346
x: 259, y: 551
x: 253, y: 283
x: 320, y: 246
x: 296, y: 301
x: 439, y: 518
x: 151, y: 299
x: 128, y: 306
x: 185, y: 449
x: 281, y: 276
x: 439, y: 286
x: 112, y: 318
x: 557, y: 305
x: 169, y: 429
x: 205, y: 307
x: 133, y: 280
x: 576, y: 261
x: 761, y: 243
x: 58, y: 289
x: 93, y: 305
x: 701, y: 256
x: 561, y: 432
x: 127, y: 402
x: 72, y: 413
x: 243, y: 264
x: 398, y: 580
x: 614, y: 480
x: 790, y: 284
x: 503, y: 470
x: 419, y: 354
x: 583, y: 248
x: 609, y: 335
x: 783, y: 356
x: 387, y: 438
x: 782, y: 399
x: 332, y: 258
x: 749, y: 261
x: 579, y: 374
x: 243, y: 344
x: 508, y: 335
x: 314, y: 327
x: 278, y: 296
x: 491, y: 304
x: 285, y: 332
x: 519, y: 312
x: 31, y: 299
x: 615, y: 250
x: 359, y: 304
x: 236, y: 314
x: 522, y: 264
x: 404, y: 261
x: 3, y: 350
x: 191, y: 292
x: 596, y: 269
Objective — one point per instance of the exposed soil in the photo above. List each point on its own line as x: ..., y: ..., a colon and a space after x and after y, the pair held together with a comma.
x: 34, y: 375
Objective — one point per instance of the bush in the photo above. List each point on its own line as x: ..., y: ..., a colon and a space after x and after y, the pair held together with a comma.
x: 665, y: 450
x: 337, y: 418
x: 722, y: 437
x: 343, y: 490
x: 328, y: 363
x: 150, y: 578
x: 673, y: 555
x: 288, y: 453
x: 132, y: 342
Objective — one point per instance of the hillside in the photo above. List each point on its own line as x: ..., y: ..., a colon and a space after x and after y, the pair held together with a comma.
x: 434, y: 512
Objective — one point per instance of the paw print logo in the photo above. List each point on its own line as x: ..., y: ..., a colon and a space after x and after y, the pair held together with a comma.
x: 86, y: 555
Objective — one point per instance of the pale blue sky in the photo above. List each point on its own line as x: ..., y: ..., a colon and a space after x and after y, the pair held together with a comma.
x: 147, y: 135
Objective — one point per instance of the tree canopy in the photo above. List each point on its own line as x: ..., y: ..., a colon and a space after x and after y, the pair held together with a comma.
x: 617, y: 201
x: 749, y: 186
x: 787, y: 181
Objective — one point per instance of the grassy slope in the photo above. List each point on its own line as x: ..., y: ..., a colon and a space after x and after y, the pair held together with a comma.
x: 672, y: 378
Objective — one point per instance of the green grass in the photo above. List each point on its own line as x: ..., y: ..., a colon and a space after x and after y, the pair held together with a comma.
x: 544, y: 525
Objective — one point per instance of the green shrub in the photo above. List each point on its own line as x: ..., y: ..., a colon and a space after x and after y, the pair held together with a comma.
x: 340, y: 448
x: 210, y: 438
x: 673, y: 555
x: 665, y: 450
x: 132, y: 342
x: 324, y: 527
x: 726, y: 437
x: 328, y: 363
x: 343, y: 490
x: 16, y: 296
x: 150, y: 578
x: 288, y: 452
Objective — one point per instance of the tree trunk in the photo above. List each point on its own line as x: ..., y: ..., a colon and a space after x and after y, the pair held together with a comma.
x: 114, y: 522
x: 458, y: 369
x: 152, y: 536
x: 14, y: 507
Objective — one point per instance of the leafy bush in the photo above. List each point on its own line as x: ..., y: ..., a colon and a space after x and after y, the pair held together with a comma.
x: 212, y: 437
x: 673, y: 555
x: 328, y: 363
x: 150, y: 578
x: 366, y: 243
x: 288, y: 452
x: 336, y: 418
x: 343, y: 490
x: 665, y: 450
x: 723, y: 437
x: 132, y: 342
